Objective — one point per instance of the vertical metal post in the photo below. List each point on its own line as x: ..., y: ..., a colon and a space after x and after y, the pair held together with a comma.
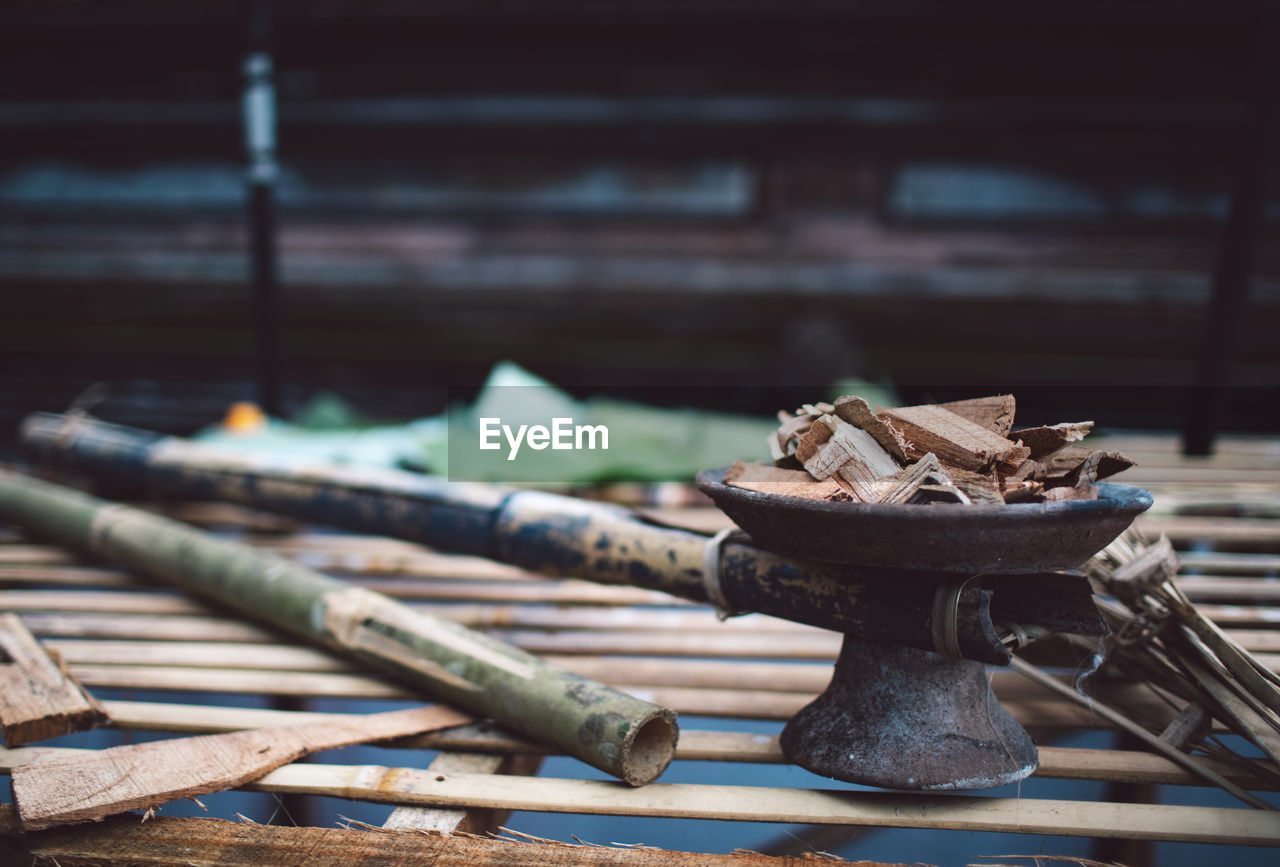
x: 259, y: 120
x: 1233, y: 272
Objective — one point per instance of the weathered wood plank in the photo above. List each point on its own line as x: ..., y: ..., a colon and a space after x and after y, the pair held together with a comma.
x: 994, y: 413
x: 955, y: 439
x: 1026, y: 702
x: 238, y: 844
x: 1122, y: 766
x: 477, y: 820
x: 1256, y: 531
x: 38, y: 698
x: 1035, y: 816
x: 752, y: 803
x: 90, y: 785
x: 790, y: 677
x: 476, y: 615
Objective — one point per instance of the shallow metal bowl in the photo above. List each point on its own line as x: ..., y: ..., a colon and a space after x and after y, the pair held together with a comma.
x: 1023, y: 537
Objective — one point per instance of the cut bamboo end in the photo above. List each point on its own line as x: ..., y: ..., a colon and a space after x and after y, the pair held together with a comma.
x: 649, y: 748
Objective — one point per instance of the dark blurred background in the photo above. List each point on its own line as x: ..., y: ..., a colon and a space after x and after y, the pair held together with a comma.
x: 951, y: 198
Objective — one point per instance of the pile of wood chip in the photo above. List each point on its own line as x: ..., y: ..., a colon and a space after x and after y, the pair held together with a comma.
x: 960, y: 452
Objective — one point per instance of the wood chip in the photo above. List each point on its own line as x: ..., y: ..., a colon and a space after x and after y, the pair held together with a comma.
x: 955, y: 439
x: 903, y: 486
x: 88, y: 787
x: 1045, y: 440
x: 1065, y: 466
x: 787, y: 483
x: 782, y: 444
x: 836, y: 449
x: 994, y: 413
x: 1027, y: 492
x: 38, y: 698
x: 978, y: 487
x: 1064, y: 493
x: 857, y: 412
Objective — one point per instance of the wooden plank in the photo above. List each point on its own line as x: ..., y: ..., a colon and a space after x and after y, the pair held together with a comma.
x: 748, y: 803
x: 239, y: 844
x: 146, y: 626
x: 1231, y: 589
x: 752, y: 803
x: 1217, y: 562
x: 469, y: 821
x: 38, y: 698
x: 1241, y: 615
x: 789, y: 677
x: 1256, y: 640
x: 1254, y: 531
x: 92, y: 784
x: 994, y: 413
x: 694, y: 744
x: 1122, y: 766
x: 680, y: 618
x: 70, y: 576
x: 955, y: 439
x: 36, y: 555
x: 802, y: 644
x: 1026, y: 702
x: 123, y: 602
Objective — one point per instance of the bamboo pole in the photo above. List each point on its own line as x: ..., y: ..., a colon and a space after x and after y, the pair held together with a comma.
x: 619, y: 734
x: 568, y: 537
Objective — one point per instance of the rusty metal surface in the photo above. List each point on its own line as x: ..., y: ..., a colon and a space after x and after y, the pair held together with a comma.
x: 1024, y: 537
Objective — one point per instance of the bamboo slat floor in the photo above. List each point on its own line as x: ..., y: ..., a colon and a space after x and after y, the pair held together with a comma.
x: 166, y: 663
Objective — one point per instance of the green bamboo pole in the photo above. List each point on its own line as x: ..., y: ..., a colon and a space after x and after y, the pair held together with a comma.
x: 619, y: 734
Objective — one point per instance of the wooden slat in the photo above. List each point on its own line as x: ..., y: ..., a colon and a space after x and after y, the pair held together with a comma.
x: 1027, y: 703
x: 238, y: 844
x: 1266, y: 590
x: 694, y: 744
x: 815, y: 644
x: 1223, y: 531
x: 533, y: 616
x: 1230, y: 564
x: 475, y: 820
x: 148, y: 627
x: 789, y: 677
x: 752, y: 803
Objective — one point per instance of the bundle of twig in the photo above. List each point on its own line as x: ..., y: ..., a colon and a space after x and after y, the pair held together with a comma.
x: 1159, y: 637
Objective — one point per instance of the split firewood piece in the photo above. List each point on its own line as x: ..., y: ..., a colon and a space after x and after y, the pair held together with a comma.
x: 1048, y: 439
x: 89, y: 787
x: 857, y: 412
x: 905, y: 485
x: 1026, y: 492
x: 788, y: 483
x: 1027, y: 470
x: 955, y: 439
x: 1068, y: 492
x: 836, y: 449
x: 1067, y: 465
x: 783, y: 441
x: 1085, y: 477
x: 978, y: 487
x: 994, y: 413
x: 941, y: 494
x: 38, y: 699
